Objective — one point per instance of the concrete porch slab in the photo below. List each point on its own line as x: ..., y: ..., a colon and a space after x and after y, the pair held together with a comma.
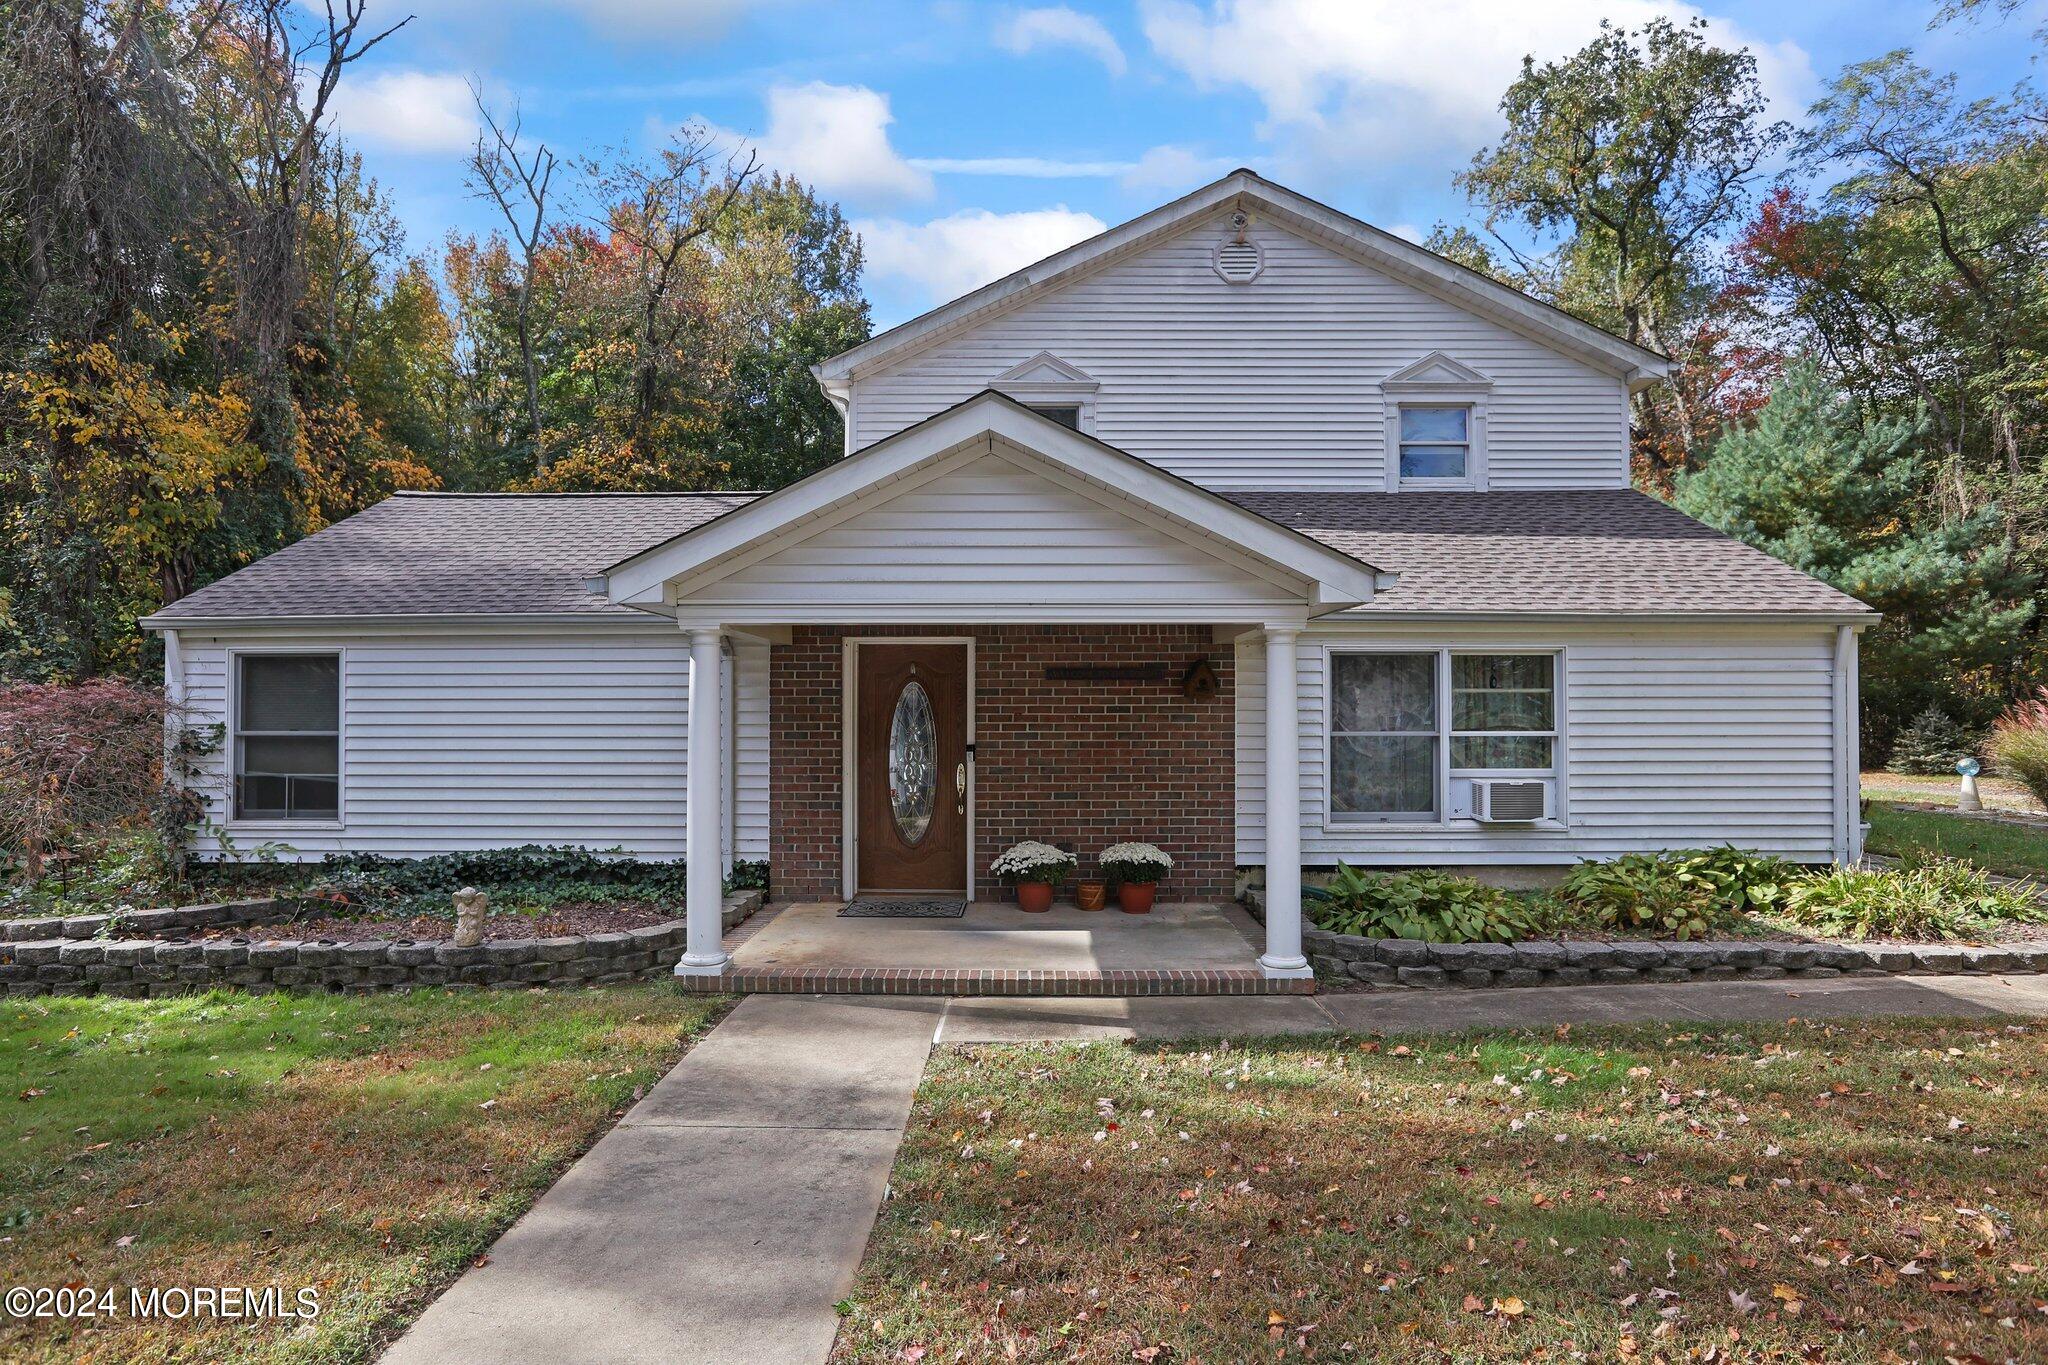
x: 1190, y: 949
x: 810, y: 936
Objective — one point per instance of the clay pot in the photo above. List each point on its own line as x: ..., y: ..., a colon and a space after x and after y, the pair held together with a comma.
x: 1034, y: 897
x: 1091, y: 895
x: 1135, y: 898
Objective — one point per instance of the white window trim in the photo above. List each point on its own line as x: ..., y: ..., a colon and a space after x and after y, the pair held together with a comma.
x: 231, y: 764
x: 1077, y: 391
x: 1470, y: 391
x: 1338, y: 823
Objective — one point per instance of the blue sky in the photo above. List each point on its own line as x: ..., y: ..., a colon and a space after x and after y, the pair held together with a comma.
x: 966, y: 139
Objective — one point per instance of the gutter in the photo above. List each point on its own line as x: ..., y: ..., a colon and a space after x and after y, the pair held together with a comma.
x: 608, y: 615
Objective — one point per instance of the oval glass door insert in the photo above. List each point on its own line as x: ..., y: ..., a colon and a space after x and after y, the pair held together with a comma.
x: 913, y: 763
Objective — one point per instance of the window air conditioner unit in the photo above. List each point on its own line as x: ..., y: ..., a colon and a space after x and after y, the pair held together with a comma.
x: 1509, y: 801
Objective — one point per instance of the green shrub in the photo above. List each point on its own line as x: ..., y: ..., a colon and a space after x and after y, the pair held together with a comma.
x: 530, y: 875
x: 1433, y: 907
x: 1685, y: 894
x: 1940, y: 898
x: 1932, y: 745
x: 2019, y: 745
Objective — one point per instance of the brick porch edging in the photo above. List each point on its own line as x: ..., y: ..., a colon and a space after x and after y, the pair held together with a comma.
x: 1120, y: 982
x: 81, y: 962
x: 1393, y: 962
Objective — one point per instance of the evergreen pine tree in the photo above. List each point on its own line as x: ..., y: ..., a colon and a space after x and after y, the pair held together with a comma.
x: 1932, y: 745
x: 1845, y: 498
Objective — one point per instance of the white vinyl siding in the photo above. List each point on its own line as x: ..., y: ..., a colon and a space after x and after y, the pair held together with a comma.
x: 1003, y: 543
x: 1668, y: 737
x: 490, y: 737
x: 1273, y: 384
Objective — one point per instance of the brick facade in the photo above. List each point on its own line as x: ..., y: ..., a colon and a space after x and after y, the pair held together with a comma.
x: 1079, y: 763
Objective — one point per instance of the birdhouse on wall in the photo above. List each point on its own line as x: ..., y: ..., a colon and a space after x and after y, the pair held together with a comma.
x: 1200, y: 681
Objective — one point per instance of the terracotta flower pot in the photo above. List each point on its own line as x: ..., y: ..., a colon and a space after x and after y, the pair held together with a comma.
x: 1091, y: 895
x: 1135, y: 898
x: 1034, y: 897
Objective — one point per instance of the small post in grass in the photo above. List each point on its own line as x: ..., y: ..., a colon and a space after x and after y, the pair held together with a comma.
x: 1967, y: 798
x: 470, y: 906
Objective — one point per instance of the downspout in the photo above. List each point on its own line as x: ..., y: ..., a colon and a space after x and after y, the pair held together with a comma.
x: 1853, y: 729
x: 1847, y: 779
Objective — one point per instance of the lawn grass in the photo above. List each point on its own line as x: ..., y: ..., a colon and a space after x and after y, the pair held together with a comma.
x: 2012, y: 850
x: 367, y: 1147
x: 1801, y: 1192
x: 1997, y: 793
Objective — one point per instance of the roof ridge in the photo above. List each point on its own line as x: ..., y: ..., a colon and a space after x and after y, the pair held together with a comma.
x: 614, y: 493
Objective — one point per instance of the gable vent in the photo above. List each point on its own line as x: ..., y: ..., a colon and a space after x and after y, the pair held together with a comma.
x: 1239, y: 259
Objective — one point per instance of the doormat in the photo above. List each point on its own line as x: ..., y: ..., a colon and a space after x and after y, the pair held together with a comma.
x: 877, y: 908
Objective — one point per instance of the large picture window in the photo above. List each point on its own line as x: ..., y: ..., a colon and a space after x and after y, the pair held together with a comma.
x: 288, y: 737
x: 1383, y: 736
x: 1403, y: 724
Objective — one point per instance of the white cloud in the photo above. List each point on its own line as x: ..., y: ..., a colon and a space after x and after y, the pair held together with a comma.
x: 407, y: 111
x: 1176, y: 169
x: 836, y: 139
x: 626, y: 20
x: 1028, y: 167
x: 949, y: 256
x: 1353, y: 83
x: 1058, y: 26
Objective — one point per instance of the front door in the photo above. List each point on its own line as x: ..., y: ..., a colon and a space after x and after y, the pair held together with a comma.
x: 910, y: 762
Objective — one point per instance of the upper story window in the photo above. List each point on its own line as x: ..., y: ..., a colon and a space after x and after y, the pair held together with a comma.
x: 1436, y: 424
x: 1066, y: 414
x: 1436, y: 442
x: 287, y: 750
x: 1047, y: 384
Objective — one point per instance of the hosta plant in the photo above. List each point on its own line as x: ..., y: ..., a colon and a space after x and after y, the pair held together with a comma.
x: 1432, y: 907
x: 1685, y: 894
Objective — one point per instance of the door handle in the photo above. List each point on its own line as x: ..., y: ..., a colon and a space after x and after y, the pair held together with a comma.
x: 960, y: 789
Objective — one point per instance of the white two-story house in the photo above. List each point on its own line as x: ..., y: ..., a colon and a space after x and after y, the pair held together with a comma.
x: 1245, y: 529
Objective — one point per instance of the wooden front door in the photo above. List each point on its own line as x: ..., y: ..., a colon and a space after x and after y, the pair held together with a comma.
x: 910, y: 756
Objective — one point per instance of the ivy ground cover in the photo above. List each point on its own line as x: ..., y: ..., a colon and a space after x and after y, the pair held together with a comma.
x: 1872, y: 1192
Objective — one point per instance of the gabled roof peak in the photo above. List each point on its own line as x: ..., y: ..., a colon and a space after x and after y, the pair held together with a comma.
x: 1381, y: 250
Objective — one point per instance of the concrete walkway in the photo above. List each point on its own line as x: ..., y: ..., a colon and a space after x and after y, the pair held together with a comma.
x: 722, y: 1218
x: 728, y: 1212
x: 1849, y: 997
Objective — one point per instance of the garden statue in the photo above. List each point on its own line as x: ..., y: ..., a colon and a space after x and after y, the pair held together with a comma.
x: 470, y: 905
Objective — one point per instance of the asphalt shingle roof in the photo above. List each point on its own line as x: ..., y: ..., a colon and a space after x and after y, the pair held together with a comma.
x: 1599, y: 551
x: 1560, y: 550
x: 458, y: 553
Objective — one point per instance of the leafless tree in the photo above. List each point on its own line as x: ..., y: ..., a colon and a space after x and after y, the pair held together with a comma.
x: 517, y: 181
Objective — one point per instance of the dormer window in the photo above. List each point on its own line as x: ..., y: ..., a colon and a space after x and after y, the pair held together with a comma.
x: 1047, y: 384
x: 1436, y: 425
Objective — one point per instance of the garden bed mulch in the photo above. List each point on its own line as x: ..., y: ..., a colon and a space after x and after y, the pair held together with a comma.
x: 561, y: 921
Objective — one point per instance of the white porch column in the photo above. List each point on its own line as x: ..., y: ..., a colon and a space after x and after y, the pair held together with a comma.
x: 705, y: 894
x: 1283, y: 809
